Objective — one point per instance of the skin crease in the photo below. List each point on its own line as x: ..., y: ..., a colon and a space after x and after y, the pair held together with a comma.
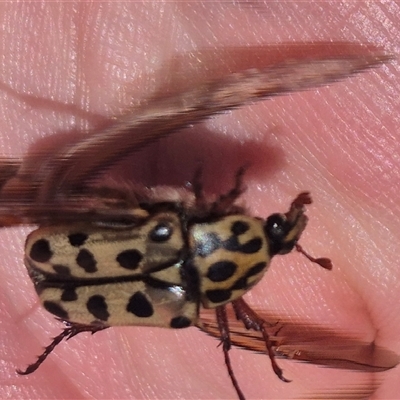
x: 340, y: 143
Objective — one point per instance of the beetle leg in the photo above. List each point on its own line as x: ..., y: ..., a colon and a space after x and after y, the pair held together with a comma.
x: 227, y: 200
x: 223, y: 325
x: 66, y: 334
x: 198, y: 190
x: 252, y: 320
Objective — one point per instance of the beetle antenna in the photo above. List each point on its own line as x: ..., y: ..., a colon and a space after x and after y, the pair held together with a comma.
x: 323, y: 261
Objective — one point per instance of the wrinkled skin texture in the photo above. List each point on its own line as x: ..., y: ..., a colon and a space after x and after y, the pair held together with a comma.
x: 340, y: 143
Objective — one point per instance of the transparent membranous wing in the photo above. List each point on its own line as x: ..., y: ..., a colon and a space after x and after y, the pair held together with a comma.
x: 41, y: 186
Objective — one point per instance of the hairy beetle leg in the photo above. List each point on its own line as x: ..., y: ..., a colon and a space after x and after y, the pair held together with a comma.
x: 225, y: 203
x: 223, y: 325
x: 227, y: 200
x: 252, y: 320
x: 198, y: 190
x: 66, y: 334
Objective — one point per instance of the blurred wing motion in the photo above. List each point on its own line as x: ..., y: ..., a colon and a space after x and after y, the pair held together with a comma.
x: 50, y: 186
x: 306, y: 342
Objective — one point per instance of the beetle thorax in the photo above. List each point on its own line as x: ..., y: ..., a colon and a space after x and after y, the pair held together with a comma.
x: 230, y: 256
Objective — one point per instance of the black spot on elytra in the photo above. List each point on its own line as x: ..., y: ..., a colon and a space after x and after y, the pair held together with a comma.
x: 250, y: 247
x: 40, y: 251
x: 239, y: 227
x: 129, y: 259
x: 139, y: 305
x: 218, y: 296
x: 97, y: 306
x: 180, y: 322
x: 221, y: 271
x: 69, y: 295
x: 161, y: 232
x: 77, y: 239
x: 86, y: 260
x: 208, y: 244
x: 240, y: 284
x: 256, y: 269
x: 62, y: 270
x: 55, y: 309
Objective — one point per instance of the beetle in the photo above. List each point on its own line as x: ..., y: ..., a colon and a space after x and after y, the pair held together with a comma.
x: 104, y: 256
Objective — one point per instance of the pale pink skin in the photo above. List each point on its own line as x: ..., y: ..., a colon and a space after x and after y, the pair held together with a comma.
x: 341, y: 143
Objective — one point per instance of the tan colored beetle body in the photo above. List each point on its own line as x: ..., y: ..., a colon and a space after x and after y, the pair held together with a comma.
x: 155, y: 273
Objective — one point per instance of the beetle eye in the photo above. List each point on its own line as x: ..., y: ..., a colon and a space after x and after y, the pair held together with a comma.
x: 276, y: 228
